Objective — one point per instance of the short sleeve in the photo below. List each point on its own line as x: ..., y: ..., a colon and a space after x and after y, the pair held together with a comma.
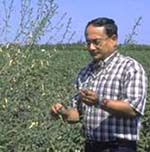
x: 135, y: 87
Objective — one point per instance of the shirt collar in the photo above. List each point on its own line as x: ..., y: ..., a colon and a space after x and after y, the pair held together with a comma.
x: 110, y: 58
x: 104, y: 63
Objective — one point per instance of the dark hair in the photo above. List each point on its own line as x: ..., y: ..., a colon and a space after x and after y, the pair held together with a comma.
x: 109, y: 25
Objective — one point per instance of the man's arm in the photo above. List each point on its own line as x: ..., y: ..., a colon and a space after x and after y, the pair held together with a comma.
x: 118, y: 108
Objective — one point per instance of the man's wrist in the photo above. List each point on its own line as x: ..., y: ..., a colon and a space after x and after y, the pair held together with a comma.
x: 104, y: 103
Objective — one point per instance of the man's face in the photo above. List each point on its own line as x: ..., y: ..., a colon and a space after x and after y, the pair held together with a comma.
x: 99, y: 45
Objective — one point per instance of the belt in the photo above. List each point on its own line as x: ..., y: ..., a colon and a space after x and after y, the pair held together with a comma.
x: 115, y: 142
x: 110, y: 145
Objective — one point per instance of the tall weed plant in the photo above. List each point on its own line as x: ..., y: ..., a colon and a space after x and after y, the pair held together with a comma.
x: 32, y: 22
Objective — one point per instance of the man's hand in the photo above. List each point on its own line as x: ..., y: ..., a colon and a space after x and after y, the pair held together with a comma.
x: 71, y: 114
x: 88, y: 97
x: 57, y: 109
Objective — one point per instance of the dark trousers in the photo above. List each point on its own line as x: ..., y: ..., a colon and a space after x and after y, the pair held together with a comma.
x: 113, y: 146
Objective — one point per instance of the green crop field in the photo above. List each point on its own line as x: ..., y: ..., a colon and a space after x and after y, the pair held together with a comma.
x: 32, y: 79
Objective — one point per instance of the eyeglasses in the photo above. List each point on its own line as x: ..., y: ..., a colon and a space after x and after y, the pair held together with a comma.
x: 95, y: 42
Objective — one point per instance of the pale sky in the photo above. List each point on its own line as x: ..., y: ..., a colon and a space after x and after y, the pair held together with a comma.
x: 124, y: 12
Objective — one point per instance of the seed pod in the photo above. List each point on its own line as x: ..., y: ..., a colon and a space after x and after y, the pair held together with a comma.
x: 62, y: 111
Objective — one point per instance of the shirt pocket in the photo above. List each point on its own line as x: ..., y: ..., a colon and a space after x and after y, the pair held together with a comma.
x: 111, y: 87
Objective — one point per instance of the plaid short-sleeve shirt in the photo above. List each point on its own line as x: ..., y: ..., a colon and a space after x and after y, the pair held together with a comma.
x: 118, y: 78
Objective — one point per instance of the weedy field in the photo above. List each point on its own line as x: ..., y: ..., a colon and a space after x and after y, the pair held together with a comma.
x: 31, y: 79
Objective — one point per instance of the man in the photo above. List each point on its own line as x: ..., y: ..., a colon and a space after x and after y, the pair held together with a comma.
x: 111, y: 93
